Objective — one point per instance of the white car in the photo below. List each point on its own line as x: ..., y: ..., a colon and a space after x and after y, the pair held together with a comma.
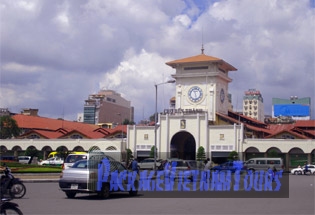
x: 55, y: 161
x: 148, y: 163
x: 300, y: 170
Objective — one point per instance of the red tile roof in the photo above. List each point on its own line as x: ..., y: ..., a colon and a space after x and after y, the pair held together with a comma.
x: 202, y: 58
x: 53, y: 128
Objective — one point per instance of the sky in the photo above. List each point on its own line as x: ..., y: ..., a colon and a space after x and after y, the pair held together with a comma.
x: 55, y: 53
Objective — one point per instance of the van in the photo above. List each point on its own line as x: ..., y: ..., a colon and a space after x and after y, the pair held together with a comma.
x: 264, y: 163
x: 24, y: 159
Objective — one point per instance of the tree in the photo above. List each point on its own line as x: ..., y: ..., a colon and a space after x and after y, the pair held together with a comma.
x: 273, y: 154
x: 32, y: 152
x: 62, y: 152
x: 233, y: 156
x: 201, y: 155
x: 129, y: 156
x: 152, y: 152
x: 128, y: 122
x: 8, y: 128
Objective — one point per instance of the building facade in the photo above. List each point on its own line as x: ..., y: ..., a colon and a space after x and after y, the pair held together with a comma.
x: 202, y: 89
x: 253, y: 105
x: 107, y: 108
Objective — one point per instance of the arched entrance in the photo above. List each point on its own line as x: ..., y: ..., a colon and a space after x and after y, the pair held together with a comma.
x: 297, y: 157
x: 253, y: 152
x: 183, y: 146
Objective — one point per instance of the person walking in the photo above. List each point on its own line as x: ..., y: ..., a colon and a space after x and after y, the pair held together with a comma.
x: 305, y: 169
x: 207, y: 164
x: 207, y: 169
x: 134, y: 165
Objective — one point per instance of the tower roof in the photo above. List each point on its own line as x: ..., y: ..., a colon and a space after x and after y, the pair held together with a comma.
x: 202, y: 58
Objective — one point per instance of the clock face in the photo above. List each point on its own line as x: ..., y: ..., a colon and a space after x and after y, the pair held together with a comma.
x: 195, y: 94
x: 222, y: 95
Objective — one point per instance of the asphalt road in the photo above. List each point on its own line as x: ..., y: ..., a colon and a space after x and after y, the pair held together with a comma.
x: 46, y: 198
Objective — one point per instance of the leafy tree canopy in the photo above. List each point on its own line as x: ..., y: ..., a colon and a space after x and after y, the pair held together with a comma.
x: 8, y: 128
x: 201, y: 155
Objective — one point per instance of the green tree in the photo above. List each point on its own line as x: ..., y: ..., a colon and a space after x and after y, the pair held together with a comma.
x: 62, y: 152
x: 201, y: 155
x: 8, y: 128
x: 152, y: 152
x: 32, y: 152
x: 129, y: 156
x: 273, y: 154
x: 128, y: 122
x: 233, y: 156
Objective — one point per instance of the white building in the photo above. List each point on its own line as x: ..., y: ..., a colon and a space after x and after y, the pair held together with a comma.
x: 253, y: 105
x: 201, y: 92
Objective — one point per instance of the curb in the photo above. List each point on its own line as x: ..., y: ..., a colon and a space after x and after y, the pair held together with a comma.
x: 40, y: 180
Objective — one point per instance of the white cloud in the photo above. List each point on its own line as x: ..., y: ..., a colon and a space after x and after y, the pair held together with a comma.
x: 53, y: 55
x: 20, y: 68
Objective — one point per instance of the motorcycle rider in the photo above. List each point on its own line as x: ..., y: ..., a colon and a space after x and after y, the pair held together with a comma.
x: 5, y: 179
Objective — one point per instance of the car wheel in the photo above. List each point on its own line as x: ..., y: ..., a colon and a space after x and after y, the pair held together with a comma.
x: 70, y: 195
x: 296, y: 173
x: 105, y: 192
x: 133, y: 192
x: 300, y: 172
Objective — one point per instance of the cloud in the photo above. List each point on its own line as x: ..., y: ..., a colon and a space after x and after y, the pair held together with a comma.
x: 55, y: 53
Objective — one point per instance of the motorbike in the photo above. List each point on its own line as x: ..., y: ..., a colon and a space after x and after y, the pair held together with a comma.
x: 7, y: 207
x: 11, y: 186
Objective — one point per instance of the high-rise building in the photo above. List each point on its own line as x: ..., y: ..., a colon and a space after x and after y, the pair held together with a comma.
x: 253, y: 104
x: 298, y: 109
x: 107, y: 108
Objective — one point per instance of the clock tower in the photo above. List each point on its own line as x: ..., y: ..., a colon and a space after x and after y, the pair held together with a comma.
x: 202, y: 84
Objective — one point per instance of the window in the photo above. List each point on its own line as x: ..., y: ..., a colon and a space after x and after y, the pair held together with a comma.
x: 261, y: 162
x: 76, y: 136
x: 183, y: 124
x: 221, y: 136
x: 195, y: 68
x: 146, y: 136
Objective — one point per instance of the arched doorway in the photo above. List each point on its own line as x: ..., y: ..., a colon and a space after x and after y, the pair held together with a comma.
x: 297, y: 157
x: 253, y: 152
x: 183, y: 146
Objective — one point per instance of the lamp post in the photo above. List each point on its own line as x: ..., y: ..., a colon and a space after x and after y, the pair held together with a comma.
x: 122, y: 136
x: 155, y: 120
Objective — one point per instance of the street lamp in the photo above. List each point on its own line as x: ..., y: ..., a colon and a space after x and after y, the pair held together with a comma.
x: 155, y: 120
x: 122, y: 136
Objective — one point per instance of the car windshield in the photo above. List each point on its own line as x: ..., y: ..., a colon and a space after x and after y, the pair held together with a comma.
x: 85, y: 164
x: 75, y: 158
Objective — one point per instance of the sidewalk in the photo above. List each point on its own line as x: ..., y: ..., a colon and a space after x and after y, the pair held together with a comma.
x: 38, y: 177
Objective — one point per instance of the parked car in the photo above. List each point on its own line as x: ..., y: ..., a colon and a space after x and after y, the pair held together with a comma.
x: 229, y: 166
x: 186, y: 167
x: 148, y: 163
x: 72, y: 158
x: 82, y: 178
x: 54, y: 161
x: 300, y: 170
x: 24, y: 159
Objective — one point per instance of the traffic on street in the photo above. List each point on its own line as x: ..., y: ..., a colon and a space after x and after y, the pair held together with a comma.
x: 47, y: 198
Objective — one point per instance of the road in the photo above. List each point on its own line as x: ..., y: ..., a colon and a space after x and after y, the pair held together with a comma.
x: 46, y: 198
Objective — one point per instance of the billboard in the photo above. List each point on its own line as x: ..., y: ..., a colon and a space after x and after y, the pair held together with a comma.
x: 291, y: 110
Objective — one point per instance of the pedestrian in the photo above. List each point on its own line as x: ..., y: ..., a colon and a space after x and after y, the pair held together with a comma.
x: 207, y: 169
x: 134, y: 165
x: 305, y: 169
x: 207, y: 164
